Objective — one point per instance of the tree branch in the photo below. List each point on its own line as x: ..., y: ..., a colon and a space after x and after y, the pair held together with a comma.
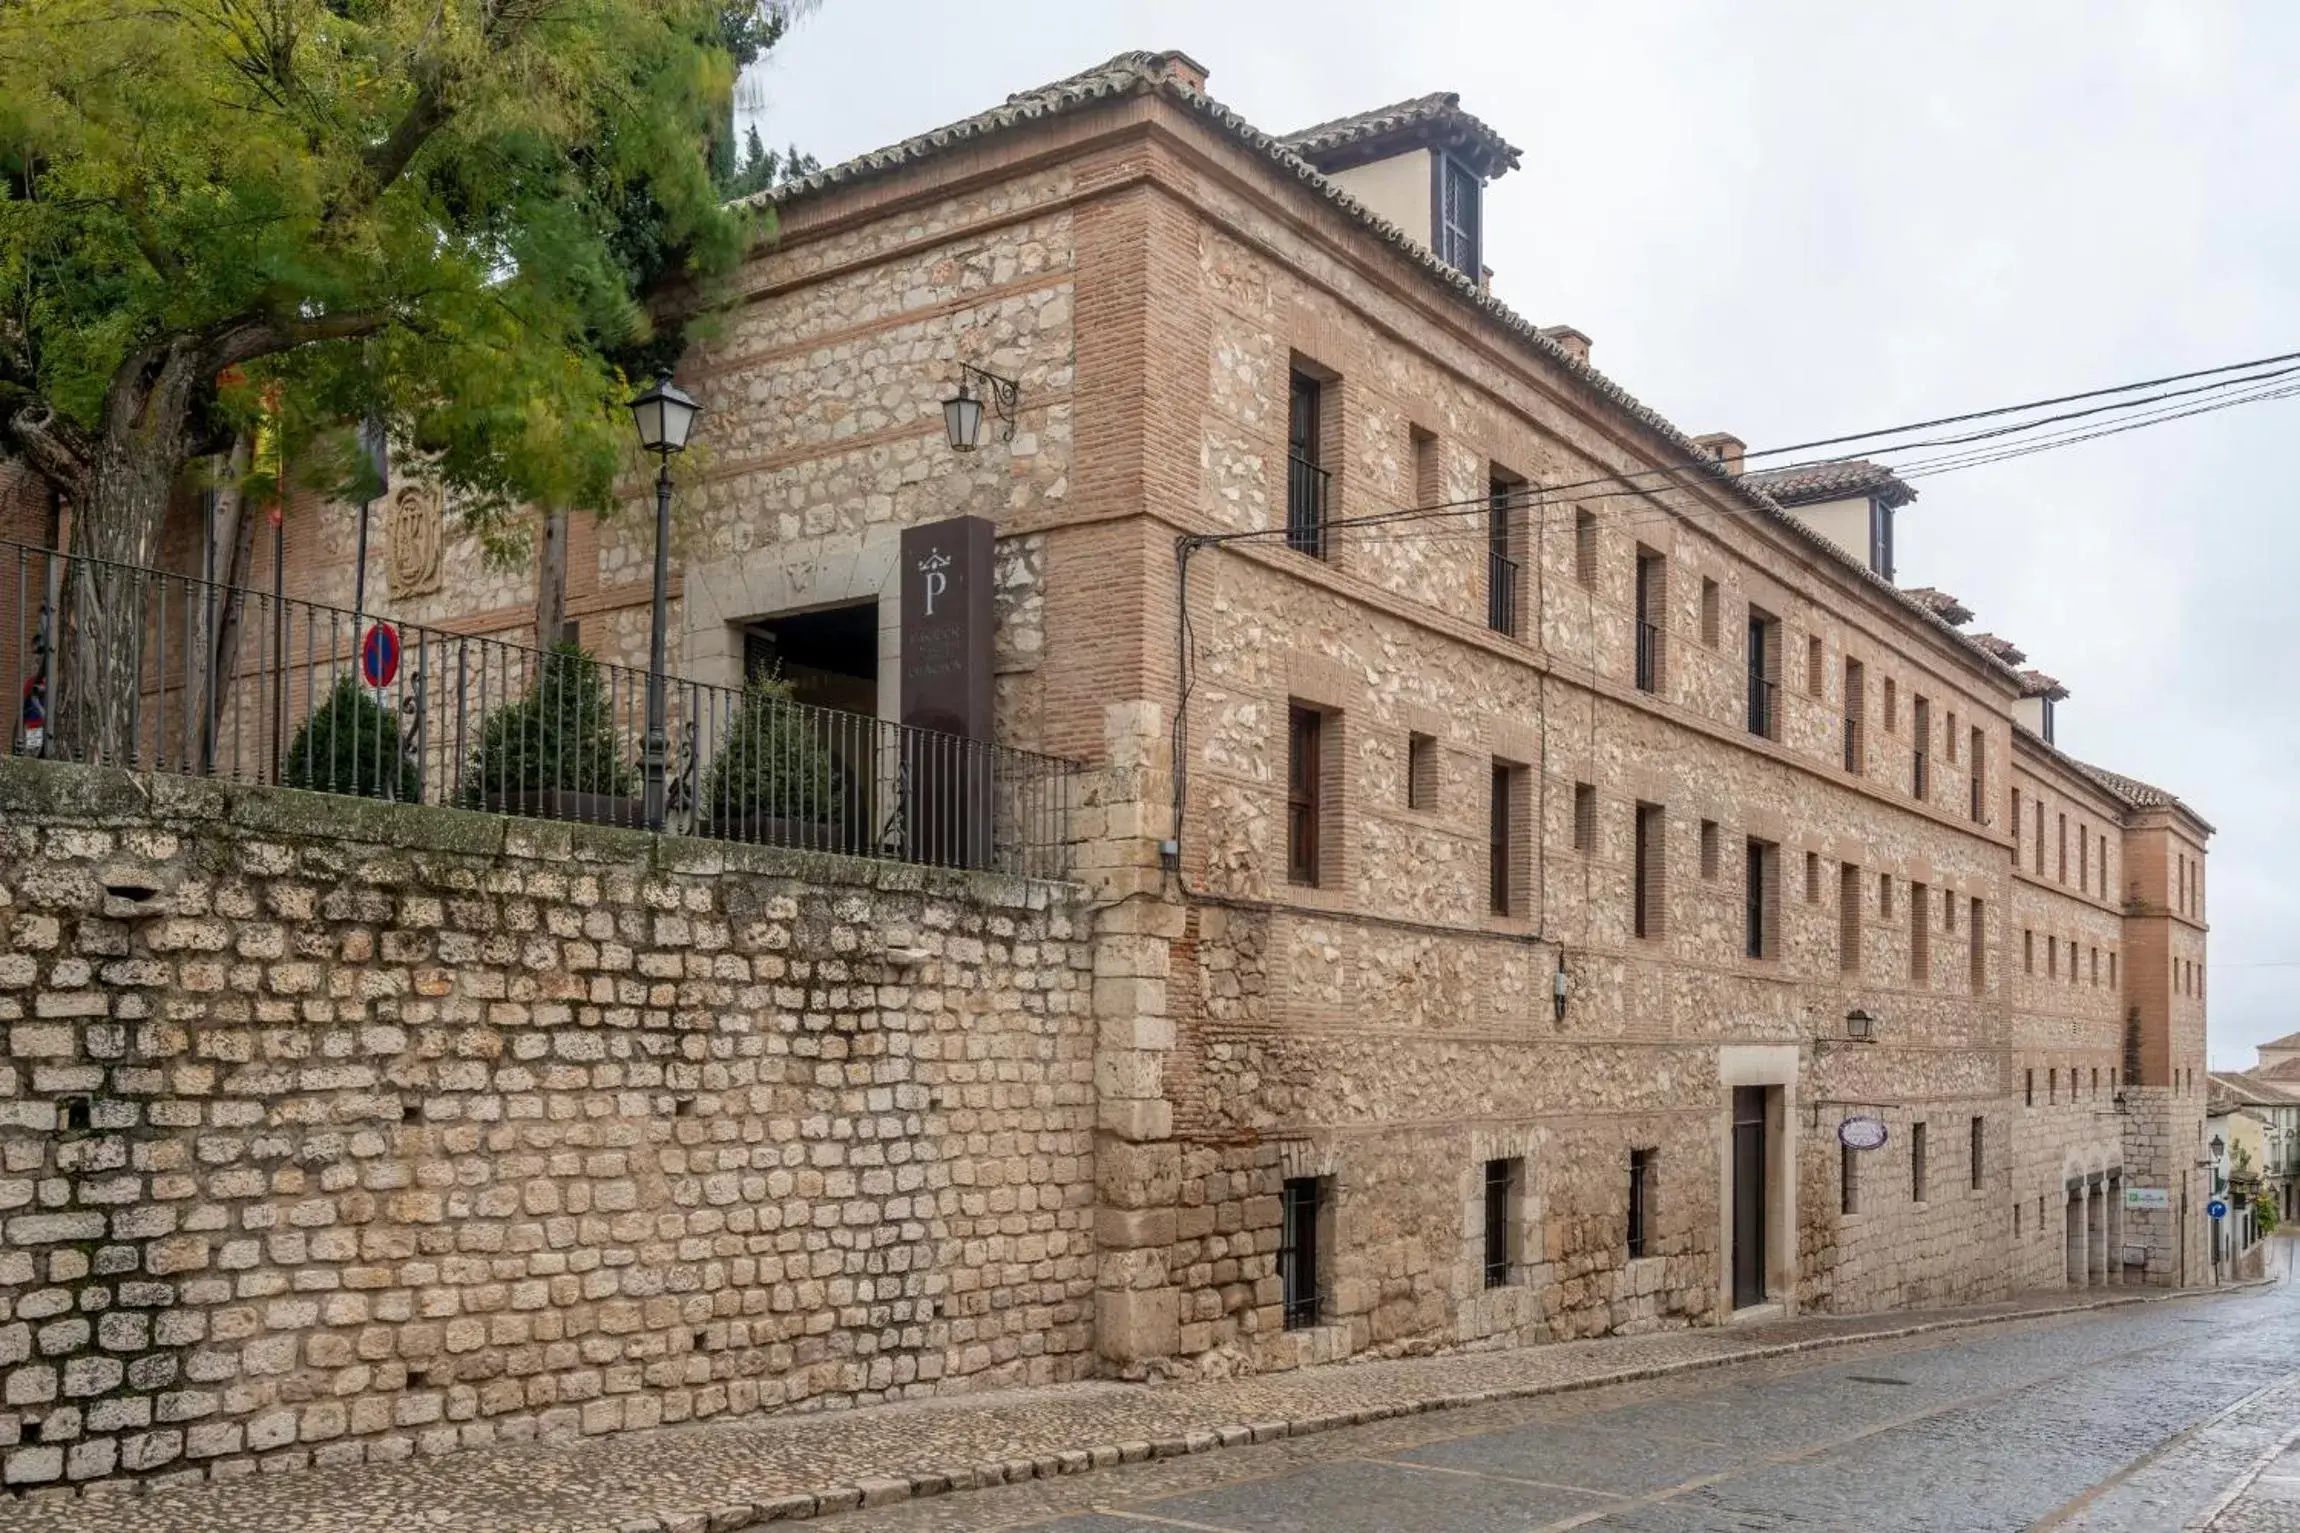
x: 248, y: 336
x: 58, y: 450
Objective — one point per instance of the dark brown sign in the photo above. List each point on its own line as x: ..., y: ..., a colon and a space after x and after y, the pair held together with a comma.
x: 946, y: 672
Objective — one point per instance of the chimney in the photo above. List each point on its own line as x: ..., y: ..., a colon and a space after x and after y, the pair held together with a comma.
x: 1725, y: 447
x: 1570, y: 341
x: 1180, y: 68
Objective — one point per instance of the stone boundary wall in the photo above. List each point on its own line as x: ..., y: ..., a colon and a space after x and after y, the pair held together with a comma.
x: 333, y: 1131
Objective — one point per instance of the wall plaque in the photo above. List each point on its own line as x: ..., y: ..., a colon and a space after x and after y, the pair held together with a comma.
x: 417, y: 535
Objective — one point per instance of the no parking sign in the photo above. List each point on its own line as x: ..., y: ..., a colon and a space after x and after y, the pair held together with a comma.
x: 379, y: 655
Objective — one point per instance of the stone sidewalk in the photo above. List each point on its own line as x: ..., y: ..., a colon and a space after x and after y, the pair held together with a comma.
x: 714, y: 1477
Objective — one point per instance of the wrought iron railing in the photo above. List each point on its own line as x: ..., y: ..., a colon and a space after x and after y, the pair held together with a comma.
x: 248, y: 686
x: 1306, y: 487
x: 1500, y: 592
x: 1648, y: 657
x: 1761, y: 706
x: 1852, y: 742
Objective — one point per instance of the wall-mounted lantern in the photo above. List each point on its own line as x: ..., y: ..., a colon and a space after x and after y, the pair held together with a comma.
x: 962, y: 413
x: 1860, y: 1026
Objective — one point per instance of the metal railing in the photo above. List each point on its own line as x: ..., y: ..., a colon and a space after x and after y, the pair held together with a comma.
x: 1648, y: 657
x: 1852, y: 742
x: 243, y: 685
x: 1306, y: 487
x: 1761, y: 706
x: 1500, y: 592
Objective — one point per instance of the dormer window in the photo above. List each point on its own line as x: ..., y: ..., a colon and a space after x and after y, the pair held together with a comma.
x: 2046, y: 732
x: 1881, y: 535
x: 1454, y: 214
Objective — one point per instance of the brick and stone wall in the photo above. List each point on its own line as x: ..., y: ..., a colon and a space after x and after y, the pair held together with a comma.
x: 333, y: 1131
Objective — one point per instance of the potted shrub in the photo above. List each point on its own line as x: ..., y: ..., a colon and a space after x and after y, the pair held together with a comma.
x: 773, y: 779
x: 350, y: 744
x: 553, y: 752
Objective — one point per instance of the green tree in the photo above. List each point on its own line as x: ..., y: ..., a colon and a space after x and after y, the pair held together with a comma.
x: 774, y: 762
x: 350, y: 744
x: 456, y: 216
x: 559, y: 736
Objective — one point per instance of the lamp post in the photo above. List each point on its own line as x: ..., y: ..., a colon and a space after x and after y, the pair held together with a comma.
x: 664, y: 416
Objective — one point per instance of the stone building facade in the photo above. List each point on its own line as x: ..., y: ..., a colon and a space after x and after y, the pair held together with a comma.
x: 1516, y: 836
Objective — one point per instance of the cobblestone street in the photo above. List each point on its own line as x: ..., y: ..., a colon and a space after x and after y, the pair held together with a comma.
x: 2117, y: 1419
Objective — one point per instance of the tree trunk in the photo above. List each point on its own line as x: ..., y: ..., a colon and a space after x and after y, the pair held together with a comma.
x: 551, y: 582
x: 110, y: 594
x: 234, y: 541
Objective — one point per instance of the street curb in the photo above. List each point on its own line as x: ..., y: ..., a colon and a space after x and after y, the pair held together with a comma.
x: 892, y: 1489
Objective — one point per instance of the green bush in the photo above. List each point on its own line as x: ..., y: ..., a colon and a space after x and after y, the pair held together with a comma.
x: 561, y: 735
x: 350, y: 744
x: 773, y: 761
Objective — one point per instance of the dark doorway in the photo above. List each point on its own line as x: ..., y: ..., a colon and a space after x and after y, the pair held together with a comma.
x: 830, y: 657
x: 1748, y: 1196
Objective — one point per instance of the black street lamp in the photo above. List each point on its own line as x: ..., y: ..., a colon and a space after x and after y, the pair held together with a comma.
x: 962, y: 412
x: 664, y: 415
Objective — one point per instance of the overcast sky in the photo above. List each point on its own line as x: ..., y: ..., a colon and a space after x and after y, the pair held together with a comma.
x: 1789, y: 220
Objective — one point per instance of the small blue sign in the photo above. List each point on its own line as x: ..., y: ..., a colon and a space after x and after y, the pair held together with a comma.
x: 379, y: 655
x: 2217, y: 1209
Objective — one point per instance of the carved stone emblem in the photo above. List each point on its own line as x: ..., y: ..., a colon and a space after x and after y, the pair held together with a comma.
x: 416, y: 533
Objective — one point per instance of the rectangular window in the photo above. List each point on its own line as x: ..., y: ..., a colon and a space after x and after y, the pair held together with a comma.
x: 1709, y: 612
x: 2104, y: 866
x: 2052, y: 957
x: 1584, y: 817
x: 1948, y: 912
x: 2028, y: 952
x: 1585, y: 547
x: 1980, y: 1145
x: 1429, y: 481
x: 1892, y: 706
x: 1812, y: 878
x: 1456, y: 222
x: 1709, y: 849
x: 1649, y: 877
x: 1881, y: 536
x: 2095, y: 954
x: 1764, y: 674
x: 1849, y: 919
x: 2039, y: 843
x: 1652, y: 617
x: 1505, y: 502
x: 2028, y: 1087
x: 1920, y: 936
x: 2083, y: 858
x: 2062, y: 874
x: 1917, y: 1162
x: 1422, y: 772
x: 1949, y: 738
x: 1848, y: 1179
x: 1761, y: 920
x: 1506, y: 842
x: 2017, y: 822
x: 2052, y: 1086
x: 1884, y: 896
x: 1640, y: 1200
x: 1305, y: 790
x: 1920, y: 741
x: 1306, y: 481
x: 1500, y: 1193
x: 1301, y: 1211
x: 1978, y: 978
x: 1976, y: 761
x: 1856, y: 704
x: 1815, y: 681
x: 2112, y: 971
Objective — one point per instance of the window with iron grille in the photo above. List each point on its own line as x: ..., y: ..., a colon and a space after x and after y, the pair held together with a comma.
x: 1856, y: 708
x: 1501, y: 1178
x: 1640, y: 1199
x: 1921, y: 731
x: 1980, y: 1143
x: 1457, y: 219
x: 1849, y: 919
x: 1505, y: 501
x: 1304, y: 790
x: 1652, y: 610
x: 1920, y: 936
x: 1761, y: 896
x: 2028, y: 1087
x: 1306, y: 480
x: 1917, y: 1162
x: 1500, y: 850
x: 1764, y: 674
x: 1649, y: 875
x: 1300, y: 1214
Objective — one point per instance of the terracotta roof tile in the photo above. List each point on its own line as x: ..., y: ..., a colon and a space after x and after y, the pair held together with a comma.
x: 1809, y: 482
x: 1435, y: 118
x: 2004, y: 649
x: 1941, y: 604
x: 1142, y: 72
x: 2038, y: 684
